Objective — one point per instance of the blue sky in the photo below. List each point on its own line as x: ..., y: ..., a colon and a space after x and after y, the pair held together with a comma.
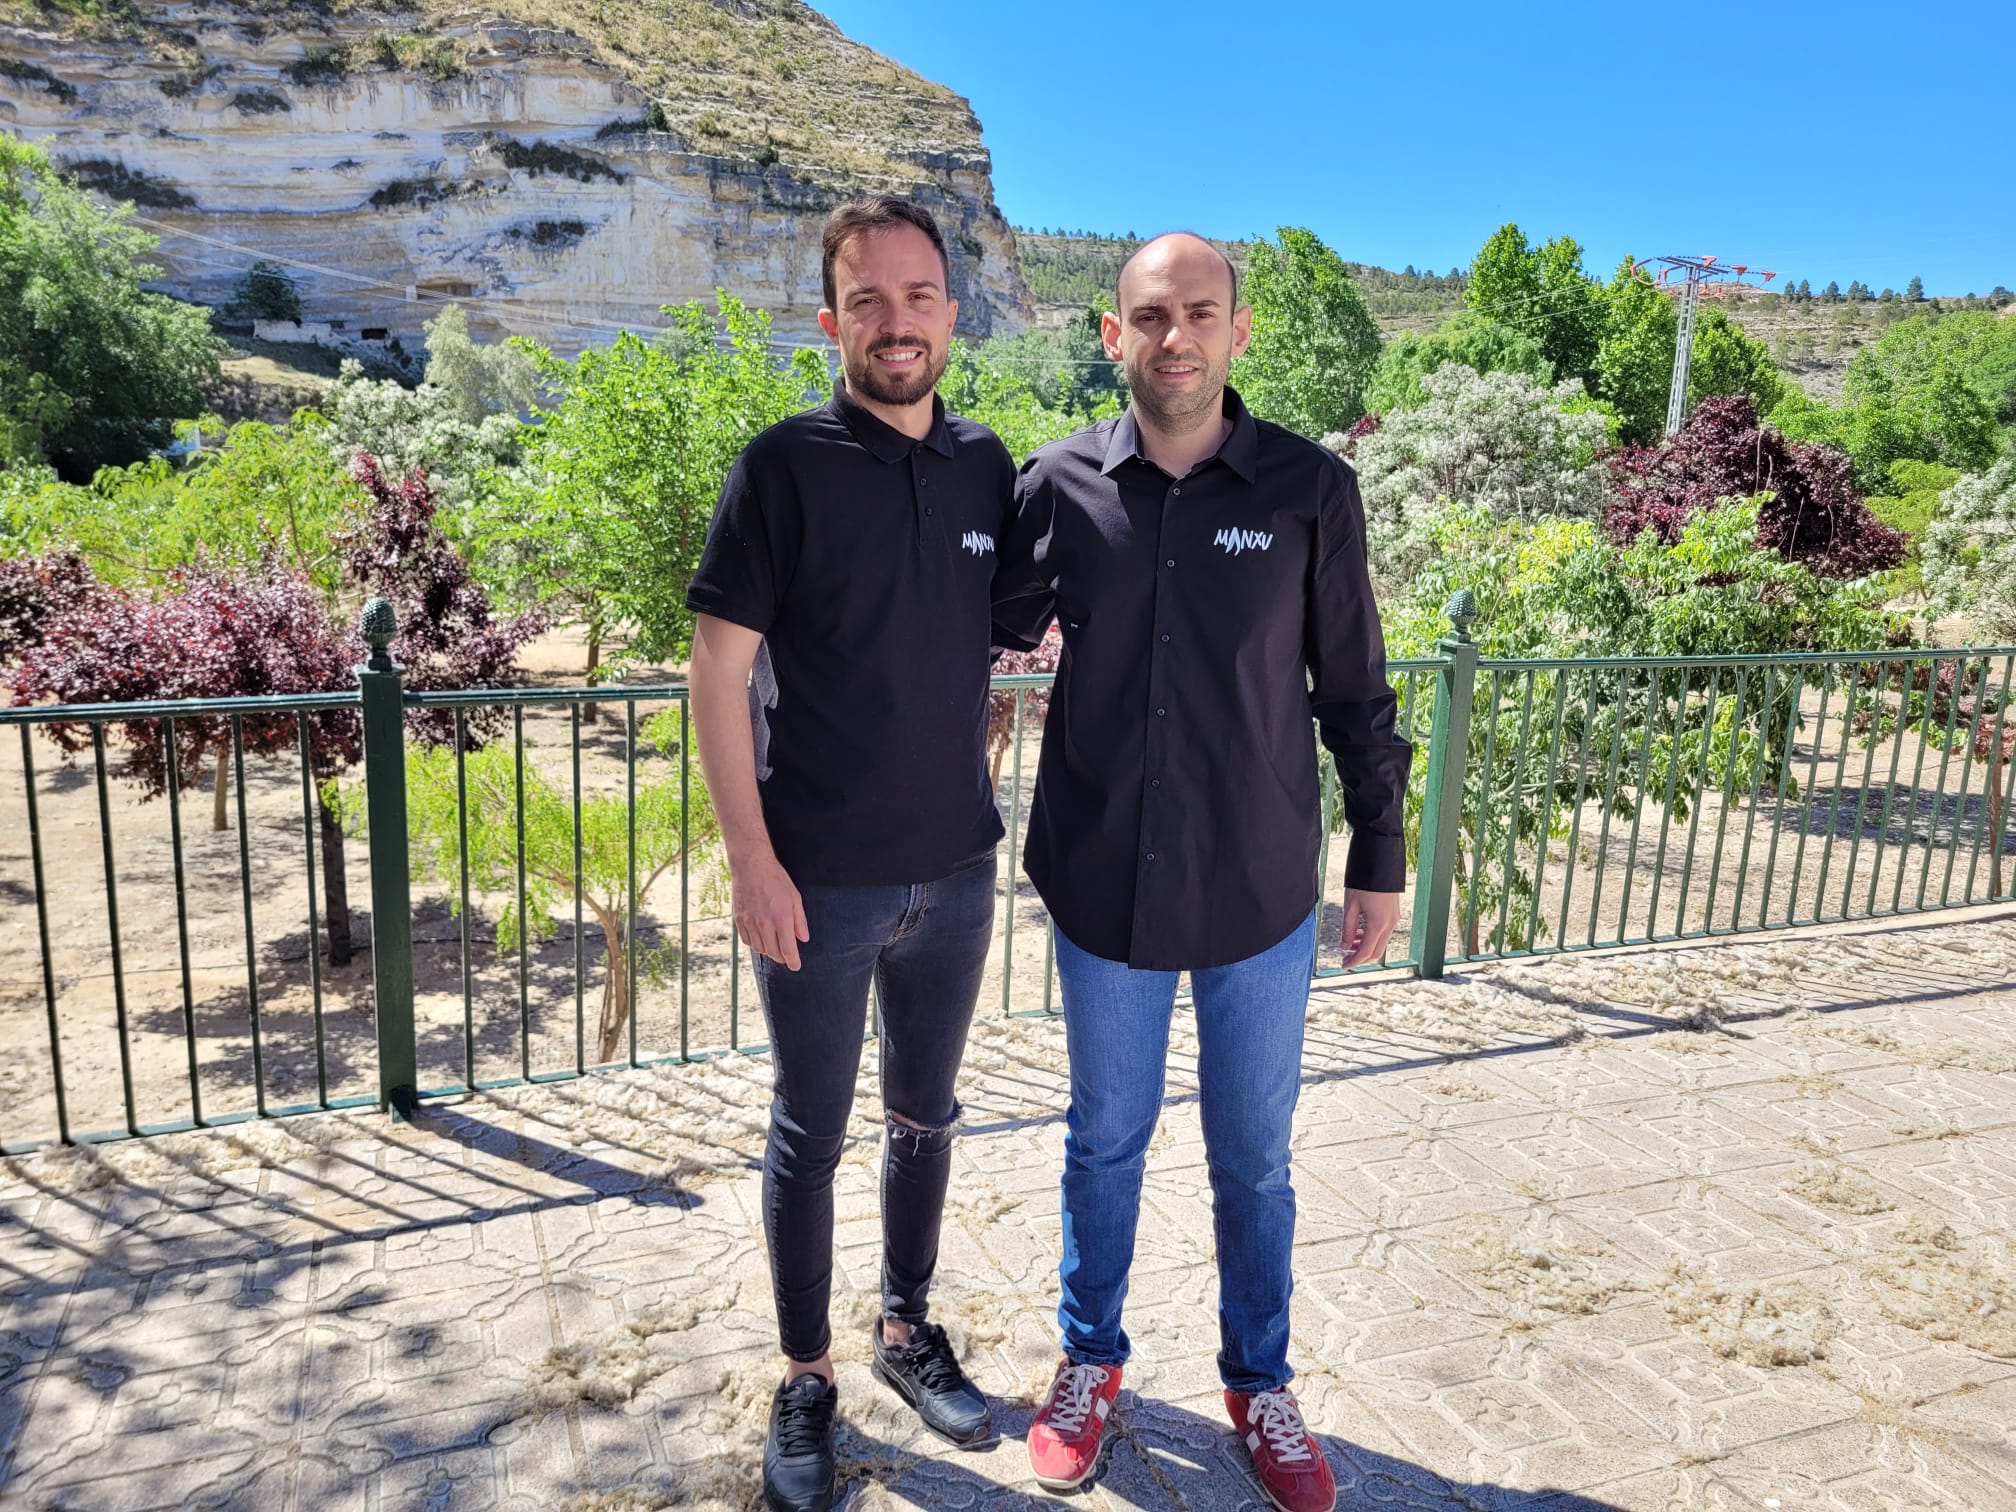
x: 1827, y: 142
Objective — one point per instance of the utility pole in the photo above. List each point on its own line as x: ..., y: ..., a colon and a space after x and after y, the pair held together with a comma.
x: 1707, y: 277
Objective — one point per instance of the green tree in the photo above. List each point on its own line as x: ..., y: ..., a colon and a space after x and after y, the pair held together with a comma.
x: 1007, y: 397
x: 478, y: 379
x: 1504, y: 276
x: 1475, y: 341
x: 264, y: 492
x: 266, y: 292
x: 437, y: 817
x: 93, y: 369
x: 1910, y: 506
x: 629, y: 466
x: 1915, y: 290
x: 1634, y: 361
x: 1727, y: 360
x: 1314, y: 341
x: 1543, y: 292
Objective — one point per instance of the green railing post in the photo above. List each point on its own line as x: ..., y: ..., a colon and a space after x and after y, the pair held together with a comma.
x: 1442, y: 804
x: 384, y: 687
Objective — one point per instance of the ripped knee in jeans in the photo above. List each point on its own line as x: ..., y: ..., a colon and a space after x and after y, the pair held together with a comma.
x: 916, y: 1138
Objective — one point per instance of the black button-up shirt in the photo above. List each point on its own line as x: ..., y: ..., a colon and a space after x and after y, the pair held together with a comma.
x: 865, y: 559
x: 1205, y: 618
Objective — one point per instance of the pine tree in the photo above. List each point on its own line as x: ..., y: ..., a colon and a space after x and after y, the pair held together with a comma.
x: 1832, y: 293
x: 1915, y: 290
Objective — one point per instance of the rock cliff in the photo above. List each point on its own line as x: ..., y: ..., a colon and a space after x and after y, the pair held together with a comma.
x: 560, y: 177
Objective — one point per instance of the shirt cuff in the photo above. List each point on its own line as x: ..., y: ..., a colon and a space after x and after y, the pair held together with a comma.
x: 1377, y: 863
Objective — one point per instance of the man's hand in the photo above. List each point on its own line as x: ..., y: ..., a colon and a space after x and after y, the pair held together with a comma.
x: 769, y: 914
x: 1369, y: 921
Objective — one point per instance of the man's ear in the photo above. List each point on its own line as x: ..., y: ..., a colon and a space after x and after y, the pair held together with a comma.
x: 1109, y: 334
x: 1242, y: 329
x: 829, y: 323
x: 951, y: 313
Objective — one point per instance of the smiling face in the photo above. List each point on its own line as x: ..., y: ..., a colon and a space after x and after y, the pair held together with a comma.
x: 1176, y: 332
x: 891, y: 316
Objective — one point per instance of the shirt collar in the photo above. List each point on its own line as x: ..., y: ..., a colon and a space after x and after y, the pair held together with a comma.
x: 1240, y: 451
x: 881, y: 438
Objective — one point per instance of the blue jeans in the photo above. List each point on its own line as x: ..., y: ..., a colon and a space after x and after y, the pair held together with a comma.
x: 925, y: 947
x: 1249, y: 1069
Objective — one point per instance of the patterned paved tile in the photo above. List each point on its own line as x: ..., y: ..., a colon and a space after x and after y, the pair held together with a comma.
x: 1726, y: 1226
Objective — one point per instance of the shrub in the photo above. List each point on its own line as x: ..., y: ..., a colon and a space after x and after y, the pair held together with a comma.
x: 260, y: 102
x: 1498, y: 440
x: 321, y: 65
x: 1814, y: 514
x: 1969, y: 551
x: 541, y: 156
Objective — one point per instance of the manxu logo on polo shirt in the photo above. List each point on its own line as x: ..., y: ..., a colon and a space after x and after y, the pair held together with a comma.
x: 1236, y: 541
x: 978, y: 542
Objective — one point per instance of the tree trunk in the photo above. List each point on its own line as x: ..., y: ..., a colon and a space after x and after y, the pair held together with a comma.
x: 220, y: 816
x: 588, y: 710
x: 335, y: 886
x: 615, y: 984
x: 994, y: 772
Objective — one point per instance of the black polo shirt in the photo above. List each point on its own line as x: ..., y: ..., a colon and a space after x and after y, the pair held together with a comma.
x: 865, y: 559
x: 1206, y: 618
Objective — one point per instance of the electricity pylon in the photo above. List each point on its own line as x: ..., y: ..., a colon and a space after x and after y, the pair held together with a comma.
x: 1703, y: 275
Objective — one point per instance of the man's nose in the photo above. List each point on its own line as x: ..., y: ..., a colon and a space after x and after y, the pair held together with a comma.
x: 1176, y: 339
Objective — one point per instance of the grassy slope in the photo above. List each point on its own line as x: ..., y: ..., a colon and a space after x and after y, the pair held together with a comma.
x: 1069, y: 272
x: 1812, y: 342
x: 768, y: 79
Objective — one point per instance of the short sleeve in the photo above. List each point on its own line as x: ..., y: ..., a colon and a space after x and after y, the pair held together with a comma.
x: 741, y: 574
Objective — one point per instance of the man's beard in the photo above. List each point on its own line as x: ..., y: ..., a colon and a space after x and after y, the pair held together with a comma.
x: 1180, y: 413
x: 873, y: 381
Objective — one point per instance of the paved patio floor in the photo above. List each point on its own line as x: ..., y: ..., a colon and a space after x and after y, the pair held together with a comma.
x: 1720, y: 1226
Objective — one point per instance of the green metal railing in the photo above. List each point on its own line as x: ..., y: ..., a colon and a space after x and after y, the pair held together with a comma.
x: 1557, y: 806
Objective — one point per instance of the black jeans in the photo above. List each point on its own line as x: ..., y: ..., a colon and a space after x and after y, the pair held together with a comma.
x: 925, y: 947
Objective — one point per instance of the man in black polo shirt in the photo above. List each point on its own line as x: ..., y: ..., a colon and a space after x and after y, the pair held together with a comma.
x: 1209, y: 570
x: 840, y: 666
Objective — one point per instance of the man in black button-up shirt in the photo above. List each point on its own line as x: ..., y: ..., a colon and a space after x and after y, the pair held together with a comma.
x: 1209, y: 571
x: 840, y: 667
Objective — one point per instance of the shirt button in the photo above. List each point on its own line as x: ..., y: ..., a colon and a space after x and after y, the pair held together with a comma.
x: 1155, y: 782
x: 923, y: 482
x: 1151, y: 855
x: 1159, y: 713
x: 1170, y: 563
x: 1165, y: 640
x: 929, y: 510
x: 1176, y: 493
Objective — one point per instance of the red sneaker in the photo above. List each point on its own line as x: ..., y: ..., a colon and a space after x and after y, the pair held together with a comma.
x: 1064, y: 1438
x: 1286, y: 1456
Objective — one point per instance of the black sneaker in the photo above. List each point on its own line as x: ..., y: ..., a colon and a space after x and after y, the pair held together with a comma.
x: 798, y: 1454
x: 925, y: 1374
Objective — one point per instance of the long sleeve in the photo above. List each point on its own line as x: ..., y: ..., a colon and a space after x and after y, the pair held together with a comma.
x: 1025, y: 589
x: 1354, y: 706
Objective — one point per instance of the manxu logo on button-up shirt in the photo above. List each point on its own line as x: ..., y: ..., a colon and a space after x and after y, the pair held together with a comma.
x: 1175, y: 823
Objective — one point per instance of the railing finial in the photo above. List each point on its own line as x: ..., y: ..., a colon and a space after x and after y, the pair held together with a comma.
x: 380, y: 626
x: 1462, y: 612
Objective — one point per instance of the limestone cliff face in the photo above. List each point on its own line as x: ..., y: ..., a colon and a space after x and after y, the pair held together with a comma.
x: 511, y: 167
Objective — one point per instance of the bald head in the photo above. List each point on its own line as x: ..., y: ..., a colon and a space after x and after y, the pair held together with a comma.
x: 1173, y: 256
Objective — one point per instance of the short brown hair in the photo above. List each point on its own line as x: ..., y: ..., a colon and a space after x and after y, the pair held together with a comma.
x: 870, y: 217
